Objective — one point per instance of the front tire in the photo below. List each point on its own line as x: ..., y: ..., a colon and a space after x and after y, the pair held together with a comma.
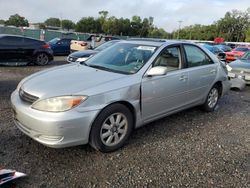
x: 212, y: 99
x: 42, y: 59
x: 112, y: 128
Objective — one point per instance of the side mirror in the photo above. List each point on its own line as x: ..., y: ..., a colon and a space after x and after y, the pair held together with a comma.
x: 157, y: 71
x: 221, y: 56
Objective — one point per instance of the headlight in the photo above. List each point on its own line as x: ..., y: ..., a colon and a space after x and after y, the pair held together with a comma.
x: 241, y: 76
x: 82, y: 59
x: 58, y: 104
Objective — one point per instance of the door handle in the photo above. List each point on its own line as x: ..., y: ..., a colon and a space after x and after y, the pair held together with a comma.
x: 183, y: 78
x: 213, y: 71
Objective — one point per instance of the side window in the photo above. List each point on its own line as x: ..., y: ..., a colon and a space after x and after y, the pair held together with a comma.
x: 28, y: 41
x: 170, y: 57
x: 11, y: 40
x: 196, y: 57
x: 64, y: 42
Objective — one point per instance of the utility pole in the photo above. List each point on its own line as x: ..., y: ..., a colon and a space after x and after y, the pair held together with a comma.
x: 61, y: 21
x: 180, y: 21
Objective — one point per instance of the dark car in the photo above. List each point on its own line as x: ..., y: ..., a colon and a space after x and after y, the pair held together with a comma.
x: 218, y: 52
x: 20, y: 50
x: 85, y: 54
x: 60, y: 46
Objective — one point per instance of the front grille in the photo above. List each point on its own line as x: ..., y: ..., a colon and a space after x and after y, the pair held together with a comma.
x: 27, y: 97
x: 72, y: 59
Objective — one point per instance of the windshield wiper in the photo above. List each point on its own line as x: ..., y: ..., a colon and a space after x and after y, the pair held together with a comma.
x: 101, y: 67
x: 83, y: 63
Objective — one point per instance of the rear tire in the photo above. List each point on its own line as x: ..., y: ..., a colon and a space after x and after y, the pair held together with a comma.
x: 212, y: 99
x: 42, y: 59
x: 112, y: 128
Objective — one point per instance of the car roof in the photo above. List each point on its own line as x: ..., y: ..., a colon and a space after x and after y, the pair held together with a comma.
x: 155, y: 42
x: 7, y: 35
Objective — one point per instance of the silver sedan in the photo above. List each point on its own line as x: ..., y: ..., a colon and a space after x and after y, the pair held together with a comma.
x: 102, y: 100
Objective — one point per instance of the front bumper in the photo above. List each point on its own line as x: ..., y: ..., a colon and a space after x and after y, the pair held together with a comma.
x: 243, y: 76
x: 238, y: 83
x: 55, y: 130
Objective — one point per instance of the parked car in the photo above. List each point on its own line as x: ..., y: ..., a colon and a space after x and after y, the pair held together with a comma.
x: 216, y: 51
x: 240, y: 68
x: 85, y: 54
x: 20, y: 50
x: 123, y: 87
x: 84, y: 45
x: 236, y: 53
x: 224, y: 47
x: 60, y: 46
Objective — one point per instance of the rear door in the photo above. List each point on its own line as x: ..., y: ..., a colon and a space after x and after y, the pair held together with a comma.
x: 202, y: 72
x: 11, y: 49
x: 29, y: 46
x: 163, y: 94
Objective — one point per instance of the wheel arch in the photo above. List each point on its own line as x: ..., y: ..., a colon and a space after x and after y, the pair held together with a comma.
x: 126, y: 104
x: 220, y: 87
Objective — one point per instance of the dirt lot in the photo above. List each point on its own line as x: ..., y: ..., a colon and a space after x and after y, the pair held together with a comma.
x: 188, y: 149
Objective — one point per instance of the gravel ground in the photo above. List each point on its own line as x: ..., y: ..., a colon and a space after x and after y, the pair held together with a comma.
x: 188, y: 149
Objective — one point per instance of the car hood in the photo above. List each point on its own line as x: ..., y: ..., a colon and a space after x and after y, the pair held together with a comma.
x: 85, y: 53
x: 68, y: 80
x: 240, y: 63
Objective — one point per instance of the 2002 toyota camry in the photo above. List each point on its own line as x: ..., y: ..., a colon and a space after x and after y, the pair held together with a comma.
x: 102, y: 100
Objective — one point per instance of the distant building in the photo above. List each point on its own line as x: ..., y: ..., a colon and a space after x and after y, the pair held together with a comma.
x: 34, y: 26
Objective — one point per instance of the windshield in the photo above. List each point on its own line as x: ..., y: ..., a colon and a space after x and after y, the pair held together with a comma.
x: 125, y: 58
x: 246, y: 55
x: 54, y: 41
x: 106, y: 45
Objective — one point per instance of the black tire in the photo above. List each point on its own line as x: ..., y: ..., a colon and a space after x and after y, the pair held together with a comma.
x: 99, y: 128
x: 212, y: 99
x: 42, y: 59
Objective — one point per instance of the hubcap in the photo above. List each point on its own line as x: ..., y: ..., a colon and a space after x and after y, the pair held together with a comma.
x: 213, y: 98
x: 42, y: 59
x: 114, y: 129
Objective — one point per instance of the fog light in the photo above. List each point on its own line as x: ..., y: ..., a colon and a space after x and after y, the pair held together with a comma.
x: 50, y: 138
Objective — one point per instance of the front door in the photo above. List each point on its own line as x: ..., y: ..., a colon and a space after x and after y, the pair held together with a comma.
x: 166, y: 93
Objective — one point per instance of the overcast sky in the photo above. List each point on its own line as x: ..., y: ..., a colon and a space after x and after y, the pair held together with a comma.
x: 166, y: 13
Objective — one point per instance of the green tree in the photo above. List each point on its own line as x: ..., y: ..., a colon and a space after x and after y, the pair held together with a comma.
x: 88, y: 25
x: 248, y: 35
x: 136, y: 25
x: 42, y: 26
x: 101, y: 20
x: 112, y: 26
x: 68, y: 24
x: 17, y: 21
x: 54, y: 22
x: 233, y: 26
x: 125, y: 26
x: 158, y: 33
x: 2, y: 22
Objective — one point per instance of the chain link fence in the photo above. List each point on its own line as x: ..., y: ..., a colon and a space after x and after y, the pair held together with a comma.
x: 41, y: 34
